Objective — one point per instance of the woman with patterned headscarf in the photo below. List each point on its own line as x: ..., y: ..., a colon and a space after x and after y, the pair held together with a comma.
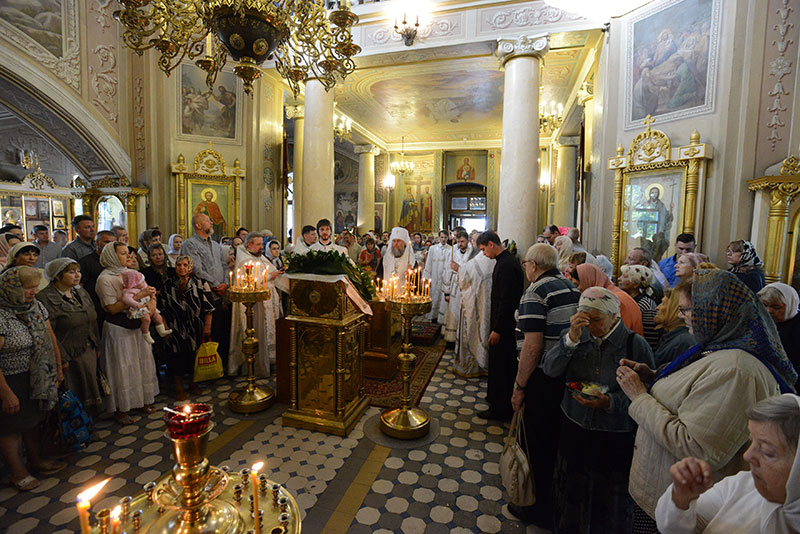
x: 783, y: 304
x: 30, y: 370
x: 696, y: 405
x: 587, y: 275
x: 745, y: 264
x: 637, y: 281
x: 596, y: 438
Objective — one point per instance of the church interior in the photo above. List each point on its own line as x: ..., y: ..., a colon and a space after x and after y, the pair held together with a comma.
x: 633, y: 121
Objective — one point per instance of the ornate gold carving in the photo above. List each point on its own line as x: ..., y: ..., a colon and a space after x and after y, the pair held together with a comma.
x: 791, y: 166
x: 209, y: 161
x: 782, y: 190
x: 616, y: 232
x: 112, y: 182
x: 650, y: 145
x: 692, y: 152
x: 692, y: 186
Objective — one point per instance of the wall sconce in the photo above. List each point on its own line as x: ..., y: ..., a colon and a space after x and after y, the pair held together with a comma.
x: 342, y: 127
x: 408, y: 32
x: 389, y: 181
x: 544, y: 180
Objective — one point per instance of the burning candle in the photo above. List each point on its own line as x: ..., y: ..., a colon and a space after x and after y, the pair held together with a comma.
x: 116, y: 524
x: 84, y: 503
x: 254, y: 482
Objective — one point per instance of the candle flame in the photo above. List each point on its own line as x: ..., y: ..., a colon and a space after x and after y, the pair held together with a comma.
x: 257, y: 466
x: 116, y: 512
x: 187, y: 409
x: 89, y: 494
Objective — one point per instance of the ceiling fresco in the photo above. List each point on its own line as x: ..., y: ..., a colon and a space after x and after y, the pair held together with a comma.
x: 431, y: 99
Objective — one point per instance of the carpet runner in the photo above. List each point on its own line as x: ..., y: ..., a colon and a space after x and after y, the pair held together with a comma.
x: 389, y: 393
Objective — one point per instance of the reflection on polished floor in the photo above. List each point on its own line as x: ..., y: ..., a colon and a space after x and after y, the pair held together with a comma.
x: 342, y: 484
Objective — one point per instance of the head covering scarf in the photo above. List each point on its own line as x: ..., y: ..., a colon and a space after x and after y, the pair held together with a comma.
x: 605, y: 265
x: 171, y: 243
x: 276, y: 262
x: 641, y: 276
x: 44, y: 387
x: 109, y: 260
x: 16, y: 249
x: 749, y: 261
x: 56, y: 267
x: 4, y: 247
x: 727, y: 315
x: 600, y: 299
x: 564, y: 246
x: 591, y: 276
x: 785, y: 519
x: 789, y: 297
x: 668, y: 314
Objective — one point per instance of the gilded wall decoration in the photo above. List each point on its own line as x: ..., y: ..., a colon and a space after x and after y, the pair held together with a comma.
x: 104, y: 81
x: 671, y: 60
x: 138, y: 124
x: 779, y: 95
x: 46, y: 30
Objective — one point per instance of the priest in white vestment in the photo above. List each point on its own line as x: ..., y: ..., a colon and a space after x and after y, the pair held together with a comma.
x: 452, y: 295
x: 264, y: 312
x: 325, y: 239
x: 438, y: 256
x: 474, y: 326
x: 399, y: 256
x: 307, y: 239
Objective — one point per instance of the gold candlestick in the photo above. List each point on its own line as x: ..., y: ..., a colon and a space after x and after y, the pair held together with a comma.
x: 407, y: 422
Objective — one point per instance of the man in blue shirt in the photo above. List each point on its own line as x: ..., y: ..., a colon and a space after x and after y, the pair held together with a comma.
x: 684, y: 244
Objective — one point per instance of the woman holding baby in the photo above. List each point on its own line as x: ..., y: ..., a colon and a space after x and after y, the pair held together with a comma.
x: 127, y: 356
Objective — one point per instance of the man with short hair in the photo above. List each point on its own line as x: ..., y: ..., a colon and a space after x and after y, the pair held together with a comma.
x: 438, y: 254
x: 353, y: 248
x: 13, y: 229
x: 210, y: 265
x: 507, y: 285
x: 308, y: 237
x: 83, y: 244
x: 48, y: 250
x: 324, y: 238
x: 460, y: 254
x: 551, y: 233
x: 640, y: 256
x: 91, y: 269
x: 544, y: 312
x: 120, y: 233
x: 684, y: 244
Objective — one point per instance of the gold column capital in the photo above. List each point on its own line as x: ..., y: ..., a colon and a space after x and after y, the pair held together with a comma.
x: 295, y: 112
x: 782, y: 190
x: 366, y: 149
x: 523, y: 46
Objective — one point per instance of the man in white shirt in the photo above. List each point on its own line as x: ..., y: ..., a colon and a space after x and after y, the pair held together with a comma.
x: 325, y: 242
x: 438, y: 254
x: 452, y: 295
x: 307, y: 238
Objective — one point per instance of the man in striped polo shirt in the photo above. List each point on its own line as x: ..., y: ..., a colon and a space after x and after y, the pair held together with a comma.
x: 544, y: 312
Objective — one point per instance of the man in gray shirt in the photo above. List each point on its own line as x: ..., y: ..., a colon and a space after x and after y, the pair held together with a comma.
x: 84, y: 243
x: 210, y: 265
x: 48, y: 251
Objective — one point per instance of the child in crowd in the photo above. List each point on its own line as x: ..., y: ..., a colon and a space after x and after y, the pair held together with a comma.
x: 144, y: 309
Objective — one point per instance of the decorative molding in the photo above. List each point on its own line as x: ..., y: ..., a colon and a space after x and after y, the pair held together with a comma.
x: 508, y: 49
x: 366, y: 149
x: 448, y: 26
x: 104, y: 17
x: 104, y: 82
x: 526, y: 17
x: 140, y: 147
x: 295, y: 112
x: 68, y: 66
x: 779, y: 68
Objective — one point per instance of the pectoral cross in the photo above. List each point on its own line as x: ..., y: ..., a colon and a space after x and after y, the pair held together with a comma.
x: 648, y: 121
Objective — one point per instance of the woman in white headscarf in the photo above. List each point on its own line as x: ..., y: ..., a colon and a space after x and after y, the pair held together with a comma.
x: 175, y: 242
x: 764, y: 500
x: 782, y: 303
x: 564, y: 247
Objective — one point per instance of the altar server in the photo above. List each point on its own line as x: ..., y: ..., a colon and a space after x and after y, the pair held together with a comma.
x: 452, y: 294
x: 438, y: 255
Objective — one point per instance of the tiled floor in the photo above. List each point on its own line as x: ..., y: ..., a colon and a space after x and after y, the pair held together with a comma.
x: 343, y: 484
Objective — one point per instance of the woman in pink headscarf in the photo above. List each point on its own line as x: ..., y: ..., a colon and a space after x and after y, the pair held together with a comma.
x: 587, y: 275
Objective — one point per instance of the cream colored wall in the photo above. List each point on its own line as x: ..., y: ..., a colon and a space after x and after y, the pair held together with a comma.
x: 730, y: 129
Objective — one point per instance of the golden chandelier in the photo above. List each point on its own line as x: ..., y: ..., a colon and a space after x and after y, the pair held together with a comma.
x: 300, y: 35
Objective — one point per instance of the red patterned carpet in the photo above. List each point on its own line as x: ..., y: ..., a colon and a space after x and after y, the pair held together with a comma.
x: 388, y: 394
x: 424, y: 333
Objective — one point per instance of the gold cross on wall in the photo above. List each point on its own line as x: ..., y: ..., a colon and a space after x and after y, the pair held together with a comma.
x: 648, y: 121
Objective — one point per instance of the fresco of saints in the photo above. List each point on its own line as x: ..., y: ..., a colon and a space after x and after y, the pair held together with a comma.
x: 210, y: 207
x: 466, y: 172
x: 409, y: 213
x: 657, y: 218
x: 426, y: 202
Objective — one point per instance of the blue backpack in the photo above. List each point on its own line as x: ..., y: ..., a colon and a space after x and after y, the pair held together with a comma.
x: 75, y: 426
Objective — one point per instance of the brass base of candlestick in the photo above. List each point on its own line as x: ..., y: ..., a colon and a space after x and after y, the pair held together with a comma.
x: 216, y: 518
x: 251, y: 398
x: 407, y: 422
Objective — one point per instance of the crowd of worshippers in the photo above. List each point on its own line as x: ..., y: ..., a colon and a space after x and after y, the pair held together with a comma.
x: 660, y: 400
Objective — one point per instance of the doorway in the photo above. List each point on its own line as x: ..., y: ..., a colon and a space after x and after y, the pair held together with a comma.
x: 465, y: 205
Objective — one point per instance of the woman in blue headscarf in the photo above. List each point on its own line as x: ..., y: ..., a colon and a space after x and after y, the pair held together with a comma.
x: 696, y: 406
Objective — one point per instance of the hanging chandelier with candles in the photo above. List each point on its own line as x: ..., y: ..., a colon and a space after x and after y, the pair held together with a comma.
x: 305, y: 40
x: 402, y: 166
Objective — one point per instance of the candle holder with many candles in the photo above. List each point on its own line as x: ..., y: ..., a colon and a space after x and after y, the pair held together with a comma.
x: 409, y: 300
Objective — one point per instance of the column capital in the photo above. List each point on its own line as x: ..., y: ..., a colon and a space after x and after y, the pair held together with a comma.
x: 295, y: 112
x: 367, y: 149
x: 536, y: 46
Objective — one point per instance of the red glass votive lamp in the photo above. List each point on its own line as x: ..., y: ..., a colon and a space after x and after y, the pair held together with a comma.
x: 189, y: 421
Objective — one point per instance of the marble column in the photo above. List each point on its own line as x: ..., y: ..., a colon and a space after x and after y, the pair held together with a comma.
x: 566, y: 177
x: 366, y: 187
x: 298, y: 114
x: 518, y: 187
x: 317, y: 187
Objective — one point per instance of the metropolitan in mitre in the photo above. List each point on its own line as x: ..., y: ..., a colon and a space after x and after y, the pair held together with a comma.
x: 399, y: 256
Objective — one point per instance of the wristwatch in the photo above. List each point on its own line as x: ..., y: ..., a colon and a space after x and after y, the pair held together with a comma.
x: 517, y: 387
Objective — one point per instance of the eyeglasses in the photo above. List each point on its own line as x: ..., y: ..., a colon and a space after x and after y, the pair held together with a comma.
x: 685, y: 309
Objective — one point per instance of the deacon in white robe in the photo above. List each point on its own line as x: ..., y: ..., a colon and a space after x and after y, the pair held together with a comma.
x: 264, y: 316
x: 474, y: 327
x: 398, y: 257
x: 438, y: 255
x: 307, y: 239
x: 325, y: 240
x: 452, y: 295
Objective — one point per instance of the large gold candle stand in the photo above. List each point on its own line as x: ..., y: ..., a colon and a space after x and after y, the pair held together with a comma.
x: 249, y: 289
x: 407, y: 422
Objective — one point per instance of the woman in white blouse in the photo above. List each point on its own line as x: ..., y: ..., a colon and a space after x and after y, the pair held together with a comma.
x: 765, y: 500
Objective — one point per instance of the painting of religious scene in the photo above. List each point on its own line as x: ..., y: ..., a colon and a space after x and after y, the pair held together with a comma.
x: 214, y: 200
x: 671, y: 61
x: 380, y: 216
x: 345, y: 171
x: 465, y: 167
x: 653, y: 211
x: 346, y: 209
x: 41, y: 20
x: 205, y: 112
x: 416, y: 208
